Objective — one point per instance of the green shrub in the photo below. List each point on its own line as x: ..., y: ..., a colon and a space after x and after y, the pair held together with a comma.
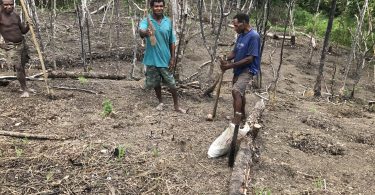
x: 302, y: 17
x: 107, y: 108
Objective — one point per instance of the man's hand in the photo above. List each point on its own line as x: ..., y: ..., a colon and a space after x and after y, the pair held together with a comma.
x: 224, y: 65
x: 172, y: 63
x: 146, y: 33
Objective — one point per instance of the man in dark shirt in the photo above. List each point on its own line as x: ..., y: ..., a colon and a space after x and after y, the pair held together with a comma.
x: 246, y: 63
x: 12, y: 30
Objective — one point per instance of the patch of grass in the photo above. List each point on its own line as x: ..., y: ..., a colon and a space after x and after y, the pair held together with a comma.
x: 155, y: 152
x: 19, y: 152
x: 262, y: 191
x: 49, y: 175
x: 120, y: 151
x: 82, y: 80
x: 319, y: 183
x: 107, y: 108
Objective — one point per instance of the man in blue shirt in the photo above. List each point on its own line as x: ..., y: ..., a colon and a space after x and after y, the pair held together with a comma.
x: 160, y: 52
x: 246, y: 63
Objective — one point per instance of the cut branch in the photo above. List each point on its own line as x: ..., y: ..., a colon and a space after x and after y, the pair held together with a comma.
x: 31, y: 136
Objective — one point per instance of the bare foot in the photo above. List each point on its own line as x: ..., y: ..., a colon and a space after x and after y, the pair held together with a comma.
x: 180, y: 110
x: 25, y: 94
x: 160, y: 107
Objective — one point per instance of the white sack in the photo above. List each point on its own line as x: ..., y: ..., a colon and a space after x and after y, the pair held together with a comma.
x: 222, y: 144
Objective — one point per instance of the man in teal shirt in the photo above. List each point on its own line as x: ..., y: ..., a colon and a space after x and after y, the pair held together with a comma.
x: 159, y: 56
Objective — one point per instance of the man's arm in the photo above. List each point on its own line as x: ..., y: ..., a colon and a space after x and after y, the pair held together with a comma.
x: 225, y: 65
x: 24, y: 27
x: 172, y: 49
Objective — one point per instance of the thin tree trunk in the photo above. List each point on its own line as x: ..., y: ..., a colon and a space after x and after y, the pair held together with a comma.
x: 355, y: 40
x: 313, y: 34
x: 83, y: 52
x: 53, y: 46
x: 89, y: 40
x: 318, y: 84
x: 36, y: 22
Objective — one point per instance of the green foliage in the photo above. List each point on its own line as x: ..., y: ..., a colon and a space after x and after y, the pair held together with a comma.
x: 49, y: 175
x: 82, y: 80
x: 107, y: 108
x: 262, y: 191
x: 302, y: 17
x: 19, y: 152
x: 121, y: 151
x: 319, y: 183
x: 155, y: 151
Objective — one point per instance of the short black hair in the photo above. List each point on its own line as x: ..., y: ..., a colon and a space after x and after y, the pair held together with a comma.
x: 157, y: 1
x: 242, y: 17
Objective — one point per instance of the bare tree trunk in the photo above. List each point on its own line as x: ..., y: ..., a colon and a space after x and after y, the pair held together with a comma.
x: 313, y: 34
x: 265, y: 19
x: 181, y: 41
x: 88, y: 40
x: 53, y: 46
x: 36, y: 22
x: 83, y: 54
x: 318, y: 84
x: 291, y: 23
x: 355, y: 40
x: 273, y: 85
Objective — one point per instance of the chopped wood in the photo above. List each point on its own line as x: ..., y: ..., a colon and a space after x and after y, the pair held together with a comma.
x: 94, y: 75
x: 77, y: 89
x: 31, y: 136
x: 101, y: 8
x: 275, y: 36
x: 244, y: 161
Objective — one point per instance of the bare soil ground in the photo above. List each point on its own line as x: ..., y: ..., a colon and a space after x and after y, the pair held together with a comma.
x: 306, y: 145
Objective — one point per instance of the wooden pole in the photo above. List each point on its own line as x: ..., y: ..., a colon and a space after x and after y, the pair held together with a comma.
x: 36, y: 43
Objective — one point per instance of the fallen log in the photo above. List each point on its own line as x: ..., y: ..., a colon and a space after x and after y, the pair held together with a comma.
x: 77, y: 89
x: 275, y: 36
x: 244, y: 162
x: 31, y: 136
x: 30, y: 78
x: 93, y: 75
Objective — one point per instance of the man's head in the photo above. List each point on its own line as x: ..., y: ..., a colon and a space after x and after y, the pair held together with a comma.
x: 157, y: 7
x: 241, y: 22
x: 8, y: 6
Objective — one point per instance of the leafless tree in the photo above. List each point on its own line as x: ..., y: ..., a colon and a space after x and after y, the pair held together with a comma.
x: 318, y: 83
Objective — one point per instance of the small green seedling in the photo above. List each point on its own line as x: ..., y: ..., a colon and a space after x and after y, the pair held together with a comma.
x: 107, y: 108
x: 19, y: 152
x: 155, y: 152
x: 262, y: 191
x: 120, y: 151
x: 319, y: 183
x: 49, y: 175
x: 82, y: 80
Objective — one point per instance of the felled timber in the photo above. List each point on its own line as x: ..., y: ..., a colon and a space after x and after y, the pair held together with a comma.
x: 92, y: 75
x: 275, y: 36
x: 241, y: 170
x: 31, y: 136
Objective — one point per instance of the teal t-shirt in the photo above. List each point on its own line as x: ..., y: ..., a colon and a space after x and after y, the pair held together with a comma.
x: 159, y: 54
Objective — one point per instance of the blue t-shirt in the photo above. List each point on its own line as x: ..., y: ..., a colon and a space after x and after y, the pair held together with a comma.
x: 159, y: 54
x: 247, y: 44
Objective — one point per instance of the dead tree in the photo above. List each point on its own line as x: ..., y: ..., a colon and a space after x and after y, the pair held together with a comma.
x: 313, y: 34
x: 291, y: 6
x: 355, y: 40
x: 318, y: 83
x: 213, y: 49
x: 83, y: 52
x: 264, y: 37
x: 363, y: 49
x: 273, y: 86
x: 53, y: 47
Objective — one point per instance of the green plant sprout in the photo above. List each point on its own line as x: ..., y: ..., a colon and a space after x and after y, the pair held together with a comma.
x: 82, y: 80
x: 262, y: 191
x: 107, y: 108
x: 19, y: 152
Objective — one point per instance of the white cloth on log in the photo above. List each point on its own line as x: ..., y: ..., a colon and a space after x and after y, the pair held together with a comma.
x: 222, y: 144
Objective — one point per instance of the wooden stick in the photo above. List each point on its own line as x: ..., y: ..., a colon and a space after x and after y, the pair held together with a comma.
x: 31, y: 136
x: 217, y: 95
x: 76, y: 89
x: 28, y: 19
